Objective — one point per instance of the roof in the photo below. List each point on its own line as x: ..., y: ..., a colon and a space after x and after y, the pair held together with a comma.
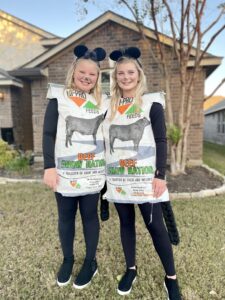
x: 217, y: 107
x: 21, y: 42
x: 28, y: 72
x: 212, y: 101
x: 26, y: 25
x: 209, y: 61
x: 6, y: 79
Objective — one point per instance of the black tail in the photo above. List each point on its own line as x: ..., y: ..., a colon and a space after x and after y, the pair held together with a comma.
x: 104, y: 205
x: 170, y: 222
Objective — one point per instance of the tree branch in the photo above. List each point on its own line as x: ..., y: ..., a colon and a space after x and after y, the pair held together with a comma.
x: 213, y: 92
x: 211, y: 41
x: 172, y: 29
x: 141, y: 31
x: 214, y: 22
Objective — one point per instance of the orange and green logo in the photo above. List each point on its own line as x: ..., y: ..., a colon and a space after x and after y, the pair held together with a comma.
x: 75, y: 184
x: 77, y: 100
x: 134, y: 109
x: 120, y: 190
x: 126, y: 106
x: 90, y: 105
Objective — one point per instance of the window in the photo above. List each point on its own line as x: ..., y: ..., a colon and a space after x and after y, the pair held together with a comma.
x: 7, y: 135
x: 105, y: 81
x: 221, y: 122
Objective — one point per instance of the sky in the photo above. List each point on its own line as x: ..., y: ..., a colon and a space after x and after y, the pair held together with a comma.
x: 62, y: 19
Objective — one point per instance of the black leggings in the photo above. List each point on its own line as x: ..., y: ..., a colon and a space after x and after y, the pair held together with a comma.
x: 156, y: 229
x: 67, y: 208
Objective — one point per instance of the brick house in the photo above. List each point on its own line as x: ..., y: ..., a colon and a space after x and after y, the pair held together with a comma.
x: 214, y: 125
x: 110, y: 31
x: 19, y: 43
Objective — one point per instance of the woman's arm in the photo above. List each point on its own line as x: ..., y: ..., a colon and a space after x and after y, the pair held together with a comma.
x: 49, y: 133
x: 51, y: 177
x: 159, y: 132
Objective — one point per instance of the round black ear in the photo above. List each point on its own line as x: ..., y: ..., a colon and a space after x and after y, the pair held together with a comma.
x: 133, y: 52
x: 80, y: 50
x: 100, y: 53
x: 115, y: 55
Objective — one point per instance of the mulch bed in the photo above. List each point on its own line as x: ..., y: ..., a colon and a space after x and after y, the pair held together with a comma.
x: 196, y: 179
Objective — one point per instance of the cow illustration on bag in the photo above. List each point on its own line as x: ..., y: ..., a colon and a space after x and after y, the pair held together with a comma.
x: 129, y: 132
x: 83, y: 126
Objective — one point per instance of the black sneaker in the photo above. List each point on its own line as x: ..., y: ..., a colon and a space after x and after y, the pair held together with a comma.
x: 125, y: 284
x: 87, y: 272
x: 104, y: 210
x: 172, y: 288
x: 64, y: 274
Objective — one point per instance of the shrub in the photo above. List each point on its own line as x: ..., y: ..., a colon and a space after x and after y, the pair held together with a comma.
x: 14, y: 160
x: 7, y: 154
x: 174, y: 134
x: 19, y: 164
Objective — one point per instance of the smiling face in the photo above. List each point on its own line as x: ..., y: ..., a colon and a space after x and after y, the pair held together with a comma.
x: 127, y: 77
x: 85, y: 75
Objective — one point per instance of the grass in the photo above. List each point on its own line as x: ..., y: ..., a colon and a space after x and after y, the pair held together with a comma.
x: 30, y: 250
x: 214, y: 156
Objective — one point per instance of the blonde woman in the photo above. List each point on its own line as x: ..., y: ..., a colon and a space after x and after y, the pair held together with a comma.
x: 74, y: 159
x: 135, y: 139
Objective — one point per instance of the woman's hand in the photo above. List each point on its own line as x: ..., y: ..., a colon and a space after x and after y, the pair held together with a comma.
x: 158, y: 187
x: 51, y: 178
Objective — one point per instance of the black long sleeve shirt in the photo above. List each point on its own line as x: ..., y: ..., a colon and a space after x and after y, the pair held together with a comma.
x: 158, y: 126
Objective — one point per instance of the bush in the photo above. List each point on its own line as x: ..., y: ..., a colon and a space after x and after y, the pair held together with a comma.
x: 14, y: 160
x: 7, y: 154
x: 174, y: 134
x: 19, y: 164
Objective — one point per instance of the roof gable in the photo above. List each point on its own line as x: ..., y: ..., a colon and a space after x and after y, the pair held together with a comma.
x: 212, y: 101
x: 21, y: 42
x: 215, y: 108
x: 12, y: 19
x: 209, y: 60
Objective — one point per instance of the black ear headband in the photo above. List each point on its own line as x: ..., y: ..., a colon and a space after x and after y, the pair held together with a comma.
x: 81, y: 51
x: 131, y: 52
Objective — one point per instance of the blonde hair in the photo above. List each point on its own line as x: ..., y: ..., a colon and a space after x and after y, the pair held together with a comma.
x: 116, y: 92
x: 96, y: 92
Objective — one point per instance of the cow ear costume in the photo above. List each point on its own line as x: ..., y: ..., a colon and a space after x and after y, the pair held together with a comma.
x: 130, y: 52
x: 97, y: 54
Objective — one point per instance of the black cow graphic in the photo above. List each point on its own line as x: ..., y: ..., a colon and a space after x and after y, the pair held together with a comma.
x: 129, y: 132
x: 83, y: 126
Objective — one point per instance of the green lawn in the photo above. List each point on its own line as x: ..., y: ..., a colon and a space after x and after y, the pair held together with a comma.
x: 30, y: 252
x: 214, y: 156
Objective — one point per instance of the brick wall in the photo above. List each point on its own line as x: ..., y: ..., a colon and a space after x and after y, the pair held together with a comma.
x: 39, y: 103
x: 112, y: 36
x: 22, y: 115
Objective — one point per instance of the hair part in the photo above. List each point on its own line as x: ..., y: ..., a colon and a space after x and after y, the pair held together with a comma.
x: 117, y: 93
x: 96, y: 92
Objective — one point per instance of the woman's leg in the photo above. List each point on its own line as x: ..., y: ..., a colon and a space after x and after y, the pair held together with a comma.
x: 67, y: 208
x: 88, y: 205
x: 159, y: 234
x: 128, y: 238
x: 126, y: 214
x: 89, y: 214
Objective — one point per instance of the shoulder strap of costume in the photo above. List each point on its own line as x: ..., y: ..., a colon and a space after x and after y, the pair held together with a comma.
x: 53, y: 90
x: 156, y: 97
